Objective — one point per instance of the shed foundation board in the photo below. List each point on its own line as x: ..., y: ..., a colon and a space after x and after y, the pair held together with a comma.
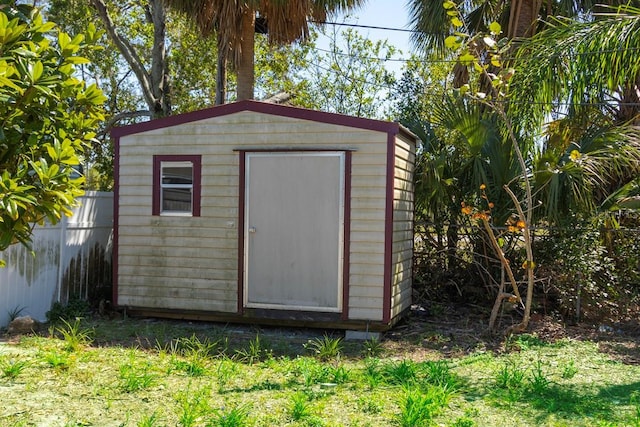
x: 263, y: 317
x: 351, y: 335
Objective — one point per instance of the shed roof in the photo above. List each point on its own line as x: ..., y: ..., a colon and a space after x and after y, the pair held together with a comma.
x: 265, y: 108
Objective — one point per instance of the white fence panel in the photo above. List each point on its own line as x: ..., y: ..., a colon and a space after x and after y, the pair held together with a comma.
x: 72, y: 259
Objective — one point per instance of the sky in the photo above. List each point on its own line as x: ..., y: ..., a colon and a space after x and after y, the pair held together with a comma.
x: 380, y: 13
x: 384, y: 13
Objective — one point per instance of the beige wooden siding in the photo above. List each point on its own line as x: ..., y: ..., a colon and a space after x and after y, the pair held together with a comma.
x: 402, y: 256
x: 191, y: 263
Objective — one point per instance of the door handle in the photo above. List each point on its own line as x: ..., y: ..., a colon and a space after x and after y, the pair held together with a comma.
x: 252, y: 230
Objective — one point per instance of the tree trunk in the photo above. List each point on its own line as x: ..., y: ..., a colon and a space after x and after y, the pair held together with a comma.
x: 245, y: 65
x: 221, y: 77
x: 452, y: 245
x: 155, y: 83
x: 523, y: 17
x: 159, y: 65
x: 629, y: 111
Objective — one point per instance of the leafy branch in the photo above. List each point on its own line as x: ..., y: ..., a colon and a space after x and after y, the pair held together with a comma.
x: 482, y: 53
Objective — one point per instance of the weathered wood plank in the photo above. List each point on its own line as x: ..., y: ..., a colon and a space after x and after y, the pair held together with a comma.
x: 179, y: 303
x: 365, y: 291
x: 359, y: 179
x: 376, y: 236
x: 359, y: 313
x: 228, y: 264
x: 257, y: 135
x: 171, y: 276
x: 365, y: 224
x: 366, y: 248
x: 358, y: 203
x: 402, y: 235
x: 367, y: 215
x: 366, y: 258
x: 166, y: 286
x: 367, y: 269
x: 139, y: 249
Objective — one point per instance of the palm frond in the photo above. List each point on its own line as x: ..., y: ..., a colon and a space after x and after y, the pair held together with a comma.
x: 431, y: 24
x: 487, y: 155
x: 587, y: 175
x: 286, y: 20
x: 579, y: 64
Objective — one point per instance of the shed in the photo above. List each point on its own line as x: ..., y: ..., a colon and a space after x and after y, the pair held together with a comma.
x: 264, y: 213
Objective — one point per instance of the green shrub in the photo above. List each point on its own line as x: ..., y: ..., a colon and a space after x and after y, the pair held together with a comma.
x: 73, y: 309
x: 582, y: 279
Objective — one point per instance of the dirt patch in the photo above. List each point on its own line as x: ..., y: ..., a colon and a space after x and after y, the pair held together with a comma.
x: 450, y: 331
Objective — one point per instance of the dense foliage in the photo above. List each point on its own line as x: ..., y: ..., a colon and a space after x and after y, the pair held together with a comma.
x: 574, y: 119
x: 48, y: 117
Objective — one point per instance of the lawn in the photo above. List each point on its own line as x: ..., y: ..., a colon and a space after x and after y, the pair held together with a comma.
x: 129, y: 372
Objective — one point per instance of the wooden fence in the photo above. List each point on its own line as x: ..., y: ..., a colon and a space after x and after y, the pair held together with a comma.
x: 72, y: 260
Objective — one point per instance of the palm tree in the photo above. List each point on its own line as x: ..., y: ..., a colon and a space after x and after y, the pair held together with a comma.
x: 589, y: 72
x: 592, y: 67
x: 463, y: 149
x: 234, y: 22
x: 519, y: 19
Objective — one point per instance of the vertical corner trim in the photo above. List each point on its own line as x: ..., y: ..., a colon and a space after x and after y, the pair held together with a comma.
x: 116, y: 210
x: 347, y: 236
x: 241, y: 209
x: 388, y: 228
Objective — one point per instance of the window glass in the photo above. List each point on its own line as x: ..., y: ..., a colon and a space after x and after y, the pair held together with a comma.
x: 177, y: 175
x: 177, y: 188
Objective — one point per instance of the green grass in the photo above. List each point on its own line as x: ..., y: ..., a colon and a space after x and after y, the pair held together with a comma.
x: 74, y: 334
x: 233, y: 417
x: 420, y: 407
x: 12, y: 368
x: 159, y: 373
x: 325, y: 348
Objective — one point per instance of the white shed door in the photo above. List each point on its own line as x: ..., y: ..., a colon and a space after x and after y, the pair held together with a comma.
x: 294, y: 213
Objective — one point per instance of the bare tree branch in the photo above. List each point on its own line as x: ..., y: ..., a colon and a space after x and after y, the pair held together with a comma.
x: 148, y: 82
x: 121, y: 116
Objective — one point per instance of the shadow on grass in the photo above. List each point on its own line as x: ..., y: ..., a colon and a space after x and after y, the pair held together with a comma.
x: 620, y: 392
x: 160, y: 333
x: 570, y: 402
x: 263, y: 385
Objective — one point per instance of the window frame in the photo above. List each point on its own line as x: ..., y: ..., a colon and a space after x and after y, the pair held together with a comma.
x: 162, y: 160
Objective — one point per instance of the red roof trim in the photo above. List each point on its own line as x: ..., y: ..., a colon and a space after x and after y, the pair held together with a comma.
x: 258, y: 107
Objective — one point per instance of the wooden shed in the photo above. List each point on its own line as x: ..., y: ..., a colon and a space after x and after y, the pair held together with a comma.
x: 263, y: 213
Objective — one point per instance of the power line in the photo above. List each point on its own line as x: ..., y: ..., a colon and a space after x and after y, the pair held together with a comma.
x: 354, y: 79
x: 371, y: 27
x: 445, y: 61
x: 391, y: 87
x: 454, y: 61
x: 374, y: 58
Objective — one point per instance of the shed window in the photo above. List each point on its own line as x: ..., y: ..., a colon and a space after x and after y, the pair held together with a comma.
x: 176, y: 185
